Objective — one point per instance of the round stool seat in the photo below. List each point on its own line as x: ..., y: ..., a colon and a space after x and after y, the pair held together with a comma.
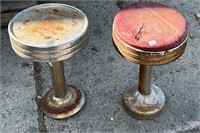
x: 49, y: 32
x: 150, y: 33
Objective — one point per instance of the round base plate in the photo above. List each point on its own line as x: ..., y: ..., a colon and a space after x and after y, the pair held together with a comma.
x: 144, y: 106
x: 59, y: 108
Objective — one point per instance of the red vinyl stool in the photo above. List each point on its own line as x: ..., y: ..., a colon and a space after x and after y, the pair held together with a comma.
x: 149, y: 34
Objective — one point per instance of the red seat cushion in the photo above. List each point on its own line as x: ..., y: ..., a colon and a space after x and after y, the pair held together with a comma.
x: 150, y: 26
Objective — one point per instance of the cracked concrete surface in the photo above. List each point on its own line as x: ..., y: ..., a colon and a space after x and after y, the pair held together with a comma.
x: 102, y: 74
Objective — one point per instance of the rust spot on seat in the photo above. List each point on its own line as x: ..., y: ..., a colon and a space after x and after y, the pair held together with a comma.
x: 46, y: 24
x: 26, y: 22
x: 47, y: 37
x: 59, y: 27
x: 44, y: 27
x: 55, y: 10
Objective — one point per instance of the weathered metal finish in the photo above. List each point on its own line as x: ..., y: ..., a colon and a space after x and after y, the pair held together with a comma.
x: 59, y: 108
x: 147, y: 57
x: 144, y: 106
x: 144, y: 86
x: 58, y: 79
x: 52, y: 33
x: 59, y: 31
x: 50, y: 56
x: 62, y: 101
x: 145, y: 101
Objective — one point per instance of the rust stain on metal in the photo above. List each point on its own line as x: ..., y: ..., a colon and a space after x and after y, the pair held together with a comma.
x: 62, y: 109
x: 56, y: 10
x: 149, y: 108
x: 148, y: 57
x: 59, y: 27
x: 26, y: 22
x: 42, y: 27
x: 47, y: 37
x: 74, y: 15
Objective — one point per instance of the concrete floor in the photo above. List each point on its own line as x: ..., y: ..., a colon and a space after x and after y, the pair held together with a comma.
x: 103, y: 75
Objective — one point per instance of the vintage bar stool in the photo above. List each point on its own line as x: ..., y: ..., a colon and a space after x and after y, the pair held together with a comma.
x: 149, y: 34
x: 52, y: 33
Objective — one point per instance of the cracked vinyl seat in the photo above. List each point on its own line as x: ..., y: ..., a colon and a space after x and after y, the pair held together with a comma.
x: 149, y: 34
x: 150, y: 26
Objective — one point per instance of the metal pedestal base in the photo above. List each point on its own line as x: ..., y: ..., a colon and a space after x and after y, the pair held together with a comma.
x: 59, y: 108
x: 144, y: 106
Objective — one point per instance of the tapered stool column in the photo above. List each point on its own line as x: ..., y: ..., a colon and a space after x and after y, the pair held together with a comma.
x: 149, y: 34
x: 52, y: 33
